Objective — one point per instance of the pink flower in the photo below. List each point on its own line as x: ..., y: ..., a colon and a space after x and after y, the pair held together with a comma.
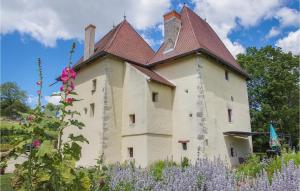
x: 72, y: 85
x: 62, y: 88
x: 38, y: 92
x: 38, y: 83
x: 66, y: 74
x: 30, y: 118
x: 69, y: 100
x: 36, y: 143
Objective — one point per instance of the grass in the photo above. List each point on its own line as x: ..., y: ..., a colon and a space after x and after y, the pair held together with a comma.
x: 5, y: 182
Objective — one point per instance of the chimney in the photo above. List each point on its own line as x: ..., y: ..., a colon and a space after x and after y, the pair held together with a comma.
x: 172, y: 24
x: 89, y: 43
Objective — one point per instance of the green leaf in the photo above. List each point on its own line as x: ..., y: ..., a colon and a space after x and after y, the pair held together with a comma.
x: 46, y: 149
x: 76, y: 123
x: 78, y: 138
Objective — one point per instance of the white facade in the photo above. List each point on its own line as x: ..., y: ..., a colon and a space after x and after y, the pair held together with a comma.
x: 160, y: 129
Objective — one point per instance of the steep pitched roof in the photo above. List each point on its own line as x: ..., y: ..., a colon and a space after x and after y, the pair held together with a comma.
x: 124, y: 42
x: 153, y: 75
x: 196, y: 35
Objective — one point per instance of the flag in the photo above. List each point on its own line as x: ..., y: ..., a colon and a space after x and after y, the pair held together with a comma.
x: 274, y: 141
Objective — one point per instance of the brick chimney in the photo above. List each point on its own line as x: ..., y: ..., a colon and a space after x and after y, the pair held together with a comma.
x: 172, y: 25
x: 89, y: 43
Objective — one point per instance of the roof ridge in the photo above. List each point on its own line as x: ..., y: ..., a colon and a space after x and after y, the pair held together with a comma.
x: 108, y: 45
x: 189, y: 21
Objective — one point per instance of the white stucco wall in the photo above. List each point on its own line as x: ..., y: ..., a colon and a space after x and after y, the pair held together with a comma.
x: 218, y: 92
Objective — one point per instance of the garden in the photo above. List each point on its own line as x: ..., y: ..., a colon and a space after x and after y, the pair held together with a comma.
x: 51, y: 163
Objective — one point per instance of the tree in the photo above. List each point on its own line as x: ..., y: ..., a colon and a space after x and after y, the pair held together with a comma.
x: 51, y: 109
x: 273, y: 91
x: 13, y: 100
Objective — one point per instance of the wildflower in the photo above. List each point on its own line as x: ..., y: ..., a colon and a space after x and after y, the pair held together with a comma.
x: 69, y: 100
x: 62, y: 88
x: 36, y: 143
x: 67, y: 73
x: 38, y: 83
x: 30, y: 118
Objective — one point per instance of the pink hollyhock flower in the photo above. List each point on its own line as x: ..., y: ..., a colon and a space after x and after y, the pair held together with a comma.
x: 72, y: 85
x: 38, y: 83
x: 62, y: 88
x: 36, y: 143
x: 39, y: 92
x: 69, y: 100
x: 66, y: 74
x: 30, y: 118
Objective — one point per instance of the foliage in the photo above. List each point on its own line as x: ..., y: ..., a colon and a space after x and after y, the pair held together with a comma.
x: 185, y: 162
x: 254, y: 165
x: 13, y: 100
x: 273, y: 91
x: 51, y: 110
x: 3, y: 164
x: 51, y: 162
x: 5, y: 147
x: 156, y: 169
x: 5, y: 181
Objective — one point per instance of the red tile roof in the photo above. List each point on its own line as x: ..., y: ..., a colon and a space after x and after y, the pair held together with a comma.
x: 196, y: 35
x: 124, y: 42
x: 153, y: 75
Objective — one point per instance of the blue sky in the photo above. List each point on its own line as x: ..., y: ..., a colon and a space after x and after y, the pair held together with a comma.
x: 30, y: 29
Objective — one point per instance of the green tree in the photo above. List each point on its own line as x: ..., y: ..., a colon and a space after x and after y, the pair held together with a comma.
x: 13, y: 100
x: 273, y: 92
x: 51, y: 109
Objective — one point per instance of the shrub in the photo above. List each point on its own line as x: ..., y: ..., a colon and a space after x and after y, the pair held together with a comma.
x: 156, y: 169
x: 5, y: 147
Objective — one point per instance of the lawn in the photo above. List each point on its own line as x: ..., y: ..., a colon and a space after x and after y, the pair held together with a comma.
x: 5, y: 182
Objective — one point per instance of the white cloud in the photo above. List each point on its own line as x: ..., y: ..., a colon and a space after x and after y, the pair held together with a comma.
x: 288, y: 17
x: 290, y: 43
x: 273, y: 32
x: 52, y: 99
x: 49, y: 20
x: 226, y: 15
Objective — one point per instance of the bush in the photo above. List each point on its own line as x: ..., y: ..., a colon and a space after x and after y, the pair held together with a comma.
x: 156, y: 169
x: 5, y: 147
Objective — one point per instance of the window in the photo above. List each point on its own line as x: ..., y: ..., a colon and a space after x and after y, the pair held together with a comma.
x: 154, y: 97
x: 191, y: 115
x: 92, y: 110
x: 229, y: 111
x: 186, y: 91
x: 132, y: 119
x: 184, y: 146
x: 232, y: 99
x: 226, y: 75
x: 231, y: 152
x: 130, y: 152
x: 85, y: 110
x: 94, y: 85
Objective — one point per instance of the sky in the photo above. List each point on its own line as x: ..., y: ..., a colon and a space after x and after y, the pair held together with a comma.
x: 32, y: 29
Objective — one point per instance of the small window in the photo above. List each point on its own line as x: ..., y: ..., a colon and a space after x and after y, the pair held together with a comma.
x: 226, y: 75
x: 186, y: 91
x: 191, y: 115
x: 231, y: 152
x: 85, y: 110
x: 232, y: 99
x: 132, y: 119
x: 184, y: 146
x: 229, y: 111
x: 130, y: 152
x: 92, y: 110
x: 94, y: 86
x: 154, y: 97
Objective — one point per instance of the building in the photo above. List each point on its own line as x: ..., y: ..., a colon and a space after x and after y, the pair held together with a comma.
x: 145, y: 105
